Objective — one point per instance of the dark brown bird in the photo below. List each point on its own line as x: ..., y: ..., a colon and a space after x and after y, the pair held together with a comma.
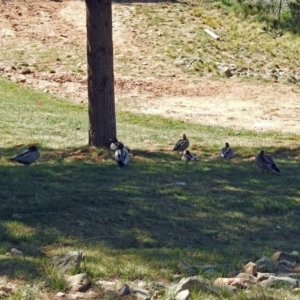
x: 188, y: 156
x: 227, y: 152
x: 182, y: 144
x: 266, y: 162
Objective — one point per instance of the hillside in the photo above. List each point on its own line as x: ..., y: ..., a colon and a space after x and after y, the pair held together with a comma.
x: 164, y: 61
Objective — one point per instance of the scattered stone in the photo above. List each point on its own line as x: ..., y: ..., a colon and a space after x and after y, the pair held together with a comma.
x: 124, y: 290
x: 4, y: 294
x: 49, y: 296
x: 26, y: 72
x: 156, y: 286
x: 106, y: 284
x: 277, y: 256
x: 192, y: 283
x: 60, y: 294
x: 22, y: 79
x: 15, y: 251
x: 228, y: 72
x: 266, y: 265
x: 286, y: 266
x: 250, y: 268
x: 68, y: 261
x: 217, y: 289
x: 263, y: 276
x: 275, y: 281
x: 78, y: 282
x: 239, y: 282
x: 183, y: 295
x: 297, y: 268
x: 141, y: 294
x: 248, y: 278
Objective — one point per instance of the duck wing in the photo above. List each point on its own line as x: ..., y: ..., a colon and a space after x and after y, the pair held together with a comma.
x: 122, y: 156
x: 271, y: 163
x: 27, y: 157
x: 189, y: 157
x: 181, y: 145
x: 227, y: 153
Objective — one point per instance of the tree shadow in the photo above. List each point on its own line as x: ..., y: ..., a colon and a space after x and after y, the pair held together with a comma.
x: 156, y: 201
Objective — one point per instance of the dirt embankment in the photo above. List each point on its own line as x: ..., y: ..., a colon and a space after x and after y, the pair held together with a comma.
x: 228, y: 102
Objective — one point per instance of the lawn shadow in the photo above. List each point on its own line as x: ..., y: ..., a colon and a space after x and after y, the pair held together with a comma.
x: 156, y: 201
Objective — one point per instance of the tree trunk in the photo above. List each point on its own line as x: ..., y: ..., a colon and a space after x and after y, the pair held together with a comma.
x: 101, y: 94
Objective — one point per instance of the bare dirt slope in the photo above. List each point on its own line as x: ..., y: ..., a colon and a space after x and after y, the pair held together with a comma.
x: 34, y: 27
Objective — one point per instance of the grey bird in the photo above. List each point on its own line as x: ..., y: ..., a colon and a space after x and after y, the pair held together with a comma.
x: 266, y: 162
x: 227, y: 152
x: 122, y: 156
x: 181, y: 144
x: 28, y: 156
x: 187, y: 156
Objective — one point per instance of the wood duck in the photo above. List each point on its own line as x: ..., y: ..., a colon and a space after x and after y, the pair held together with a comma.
x: 28, y: 156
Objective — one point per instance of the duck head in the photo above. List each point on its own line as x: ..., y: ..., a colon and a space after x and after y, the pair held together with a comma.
x: 33, y: 148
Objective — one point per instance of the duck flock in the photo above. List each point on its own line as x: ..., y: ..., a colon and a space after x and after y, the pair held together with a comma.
x: 122, y: 154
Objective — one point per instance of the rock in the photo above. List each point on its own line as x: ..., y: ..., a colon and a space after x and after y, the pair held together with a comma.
x: 60, y: 294
x: 286, y: 266
x: 263, y: 276
x: 274, y: 281
x: 277, y: 256
x: 217, y: 289
x: 68, y: 261
x: 266, y: 265
x: 247, y: 277
x: 156, y: 286
x: 107, y: 284
x: 250, y: 268
x: 228, y: 72
x: 21, y: 79
x: 192, y: 283
x: 49, y: 296
x: 26, y: 72
x: 183, y: 295
x: 3, y: 295
x: 239, y: 282
x: 6, y: 289
x: 78, y: 282
x: 297, y: 268
x: 15, y: 251
x: 124, y: 290
x: 141, y: 294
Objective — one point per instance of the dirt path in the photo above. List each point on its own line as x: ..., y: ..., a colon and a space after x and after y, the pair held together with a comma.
x: 51, y: 25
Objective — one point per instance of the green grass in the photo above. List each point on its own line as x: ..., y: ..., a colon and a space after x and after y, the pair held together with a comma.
x: 135, y: 223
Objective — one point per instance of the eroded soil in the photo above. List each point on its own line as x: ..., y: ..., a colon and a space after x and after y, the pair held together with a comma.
x: 43, y: 25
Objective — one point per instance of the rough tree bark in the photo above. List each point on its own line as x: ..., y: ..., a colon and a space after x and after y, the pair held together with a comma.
x: 101, y: 94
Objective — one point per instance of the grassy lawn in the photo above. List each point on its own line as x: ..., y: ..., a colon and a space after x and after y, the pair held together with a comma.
x: 137, y: 222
